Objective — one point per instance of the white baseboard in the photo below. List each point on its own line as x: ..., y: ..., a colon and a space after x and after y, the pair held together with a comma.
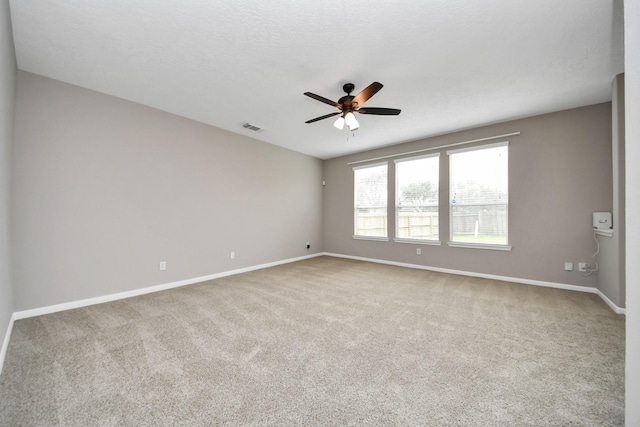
x: 555, y: 285
x: 5, y: 342
x: 122, y: 295
x: 618, y: 310
x: 128, y: 294
x: 141, y: 291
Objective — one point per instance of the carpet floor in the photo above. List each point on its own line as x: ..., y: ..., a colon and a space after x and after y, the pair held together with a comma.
x: 325, y: 341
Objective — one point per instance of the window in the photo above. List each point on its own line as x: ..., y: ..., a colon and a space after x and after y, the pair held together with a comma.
x: 370, y: 201
x: 478, y: 199
x: 417, y: 181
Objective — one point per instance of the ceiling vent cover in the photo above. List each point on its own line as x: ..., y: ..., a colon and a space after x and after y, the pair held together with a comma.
x: 252, y: 127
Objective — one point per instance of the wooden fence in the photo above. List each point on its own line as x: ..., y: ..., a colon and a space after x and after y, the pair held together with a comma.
x: 478, y: 221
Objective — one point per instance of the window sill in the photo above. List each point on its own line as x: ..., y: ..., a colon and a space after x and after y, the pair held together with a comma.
x: 479, y: 246
x: 374, y: 238
x: 418, y: 241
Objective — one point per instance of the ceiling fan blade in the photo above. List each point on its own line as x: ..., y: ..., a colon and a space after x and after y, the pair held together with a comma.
x: 322, y: 99
x: 379, y: 111
x: 326, y: 116
x: 367, y: 93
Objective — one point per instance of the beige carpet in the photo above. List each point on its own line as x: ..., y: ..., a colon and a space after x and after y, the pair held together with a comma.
x: 325, y: 341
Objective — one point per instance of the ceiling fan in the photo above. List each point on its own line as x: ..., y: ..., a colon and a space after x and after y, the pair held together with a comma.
x: 350, y: 104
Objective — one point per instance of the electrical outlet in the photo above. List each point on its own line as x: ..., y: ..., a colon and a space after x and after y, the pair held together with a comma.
x: 568, y: 266
x: 418, y: 251
x: 308, y: 245
x: 582, y: 266
x: 163, y: 265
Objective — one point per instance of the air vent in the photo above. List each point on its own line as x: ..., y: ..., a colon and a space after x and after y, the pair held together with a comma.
x: 252, y: 127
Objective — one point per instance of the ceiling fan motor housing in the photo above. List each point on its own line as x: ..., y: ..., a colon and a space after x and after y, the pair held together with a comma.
x: 345, y: 103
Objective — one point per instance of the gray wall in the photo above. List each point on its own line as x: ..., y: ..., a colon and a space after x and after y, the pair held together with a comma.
x: 7, y: 99
x: 611, y: 276
x: 559, y: 173
x: 105, y: 189
x: 632, y: 202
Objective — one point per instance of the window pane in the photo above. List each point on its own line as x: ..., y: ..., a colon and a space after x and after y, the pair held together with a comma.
x: 370, y: 199
x: 417, y: 198
x: 479, y: 198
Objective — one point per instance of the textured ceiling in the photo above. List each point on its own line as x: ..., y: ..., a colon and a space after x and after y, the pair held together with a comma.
x: 448, y: 65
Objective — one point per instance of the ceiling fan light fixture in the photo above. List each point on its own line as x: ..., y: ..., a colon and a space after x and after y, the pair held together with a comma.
x: 351, y: 121
x: 339, y: 123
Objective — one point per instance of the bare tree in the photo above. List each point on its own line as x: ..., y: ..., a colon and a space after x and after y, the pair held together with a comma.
x: 418, y: 195
x: 372, y: 190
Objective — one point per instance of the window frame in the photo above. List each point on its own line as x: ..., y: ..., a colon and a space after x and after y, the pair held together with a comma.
x: 434, y: 242
x: 355, y: 207
x: 470, y: 245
